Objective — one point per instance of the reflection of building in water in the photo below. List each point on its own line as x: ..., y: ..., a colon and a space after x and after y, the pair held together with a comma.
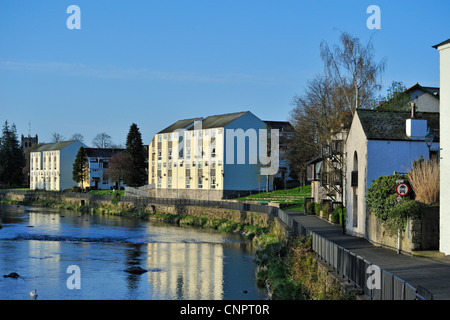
x: 192, y: 271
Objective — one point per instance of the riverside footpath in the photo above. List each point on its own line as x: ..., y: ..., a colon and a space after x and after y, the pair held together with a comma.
x: 431, y: 273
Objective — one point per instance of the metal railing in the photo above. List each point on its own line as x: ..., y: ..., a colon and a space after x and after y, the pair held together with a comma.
x: 351, y: 266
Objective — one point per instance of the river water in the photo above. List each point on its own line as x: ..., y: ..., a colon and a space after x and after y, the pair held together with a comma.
x: 182, y: 263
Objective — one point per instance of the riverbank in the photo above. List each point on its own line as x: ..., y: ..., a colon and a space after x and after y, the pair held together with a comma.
x: 286, y: 267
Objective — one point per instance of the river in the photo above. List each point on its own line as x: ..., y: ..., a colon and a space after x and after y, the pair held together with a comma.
x: 66, y: 255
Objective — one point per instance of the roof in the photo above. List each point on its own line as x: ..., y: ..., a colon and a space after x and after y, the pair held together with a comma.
x: 221, y: 120
x: 280, y: 125
x: 42, y: 147
x: 434, y: 91
x: 391, y: 125
x: 441, y: 44
x: 60, y: 145
x: 180, y: 125
x: 102, y: 152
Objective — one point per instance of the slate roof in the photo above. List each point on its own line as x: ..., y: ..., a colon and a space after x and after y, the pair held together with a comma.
x: 434, y: 91
x: 102, y: 152
x: 42, y: 147
x: 180, y: 125
x: 391, y: 125
x: 221, y: 120
x: 217, y: 121
x: 441, y: 44
x: 60, y: 145
x: 280, y: 125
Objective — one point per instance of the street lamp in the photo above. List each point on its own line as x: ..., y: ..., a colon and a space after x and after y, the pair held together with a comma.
x: 429, y: 137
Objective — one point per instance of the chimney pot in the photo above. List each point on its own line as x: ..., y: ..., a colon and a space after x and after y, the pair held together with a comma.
x: 413, y: 110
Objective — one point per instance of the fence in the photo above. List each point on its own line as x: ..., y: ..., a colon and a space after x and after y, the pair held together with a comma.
x: 354, y: 268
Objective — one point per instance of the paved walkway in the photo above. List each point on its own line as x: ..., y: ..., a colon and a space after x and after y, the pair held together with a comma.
x: 430, y: 273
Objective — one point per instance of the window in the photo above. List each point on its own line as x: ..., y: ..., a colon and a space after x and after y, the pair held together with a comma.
x: 170, y: 165
x: 170, y: 137
x: 213, y: 133
x: 219, y: 131
x: 159, y: 165
x: 188, y: 164
x: 170, y: 154
x: 164, y: 165
x: 169, y: 182
x: 213, y: 182
x: 160, y: 138
x: 200, y: 165
x: 159, y: 182
x: 200, y: 181
x: 159, y: 154
x: 188, y: 182
x: 188, y: 152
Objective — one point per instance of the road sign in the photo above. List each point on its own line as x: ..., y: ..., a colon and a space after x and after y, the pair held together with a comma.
x: 402, y: 189
x: 398, y: 199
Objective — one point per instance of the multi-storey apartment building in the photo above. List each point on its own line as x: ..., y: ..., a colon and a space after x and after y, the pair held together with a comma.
x: 98, y: 163
x: 51, y: 165
x: 209, y: 158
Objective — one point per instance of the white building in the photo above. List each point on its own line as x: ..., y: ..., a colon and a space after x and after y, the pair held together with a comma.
x: 51, y: 165
x: 444, y: 51
x: 379, y: 143
x: 425, y: 98
x: 98, y: 162
x: 208, y: 158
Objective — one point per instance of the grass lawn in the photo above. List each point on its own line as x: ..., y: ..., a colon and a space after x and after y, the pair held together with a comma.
x: 107, y: 192
x: 294, y: 196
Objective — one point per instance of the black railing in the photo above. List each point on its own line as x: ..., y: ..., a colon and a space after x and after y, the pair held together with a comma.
x: 351, y: 266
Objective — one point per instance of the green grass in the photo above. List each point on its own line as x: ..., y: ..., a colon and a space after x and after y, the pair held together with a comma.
x: 107, y: 192
x: 288, y: 195
x: 294, y: 196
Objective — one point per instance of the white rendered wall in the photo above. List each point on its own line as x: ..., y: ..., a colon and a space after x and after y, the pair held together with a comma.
x: 444, y: 244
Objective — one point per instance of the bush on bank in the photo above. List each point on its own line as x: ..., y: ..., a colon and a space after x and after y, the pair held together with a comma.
x: 291, y: 272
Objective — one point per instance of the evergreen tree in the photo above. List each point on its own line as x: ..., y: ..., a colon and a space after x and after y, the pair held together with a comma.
x: 135, y: 149
x: 12, y: 157
x: 80, y: 166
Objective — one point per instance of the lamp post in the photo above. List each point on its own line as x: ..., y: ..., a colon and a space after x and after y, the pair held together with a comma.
x: 335, y: 162
x: 429, y: 137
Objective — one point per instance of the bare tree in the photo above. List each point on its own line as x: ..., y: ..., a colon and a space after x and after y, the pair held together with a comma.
x: 102, y: 140
x: 354, y: 70
x: 119, y: 167
x: 78, y: 137
x: 56, y: 137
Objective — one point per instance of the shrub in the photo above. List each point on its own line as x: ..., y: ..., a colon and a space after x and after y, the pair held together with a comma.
x: 310, y: 207
x: 381, y: 195
x: 424, y: 179
x: 336, y: 215
x: 317, y: 208
x: 116, y: 198
x: 326, y: 210
x: 397, y: 217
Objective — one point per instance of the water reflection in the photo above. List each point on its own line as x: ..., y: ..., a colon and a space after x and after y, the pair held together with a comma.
x: 182, y: 263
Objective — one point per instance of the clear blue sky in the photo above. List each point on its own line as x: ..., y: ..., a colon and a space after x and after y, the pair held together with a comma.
x: 155, y: 62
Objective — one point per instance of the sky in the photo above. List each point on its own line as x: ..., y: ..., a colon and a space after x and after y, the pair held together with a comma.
x: 155, y: 62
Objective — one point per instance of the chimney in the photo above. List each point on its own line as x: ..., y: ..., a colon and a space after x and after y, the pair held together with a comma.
x: 413, y: 110
x: 416, y: 129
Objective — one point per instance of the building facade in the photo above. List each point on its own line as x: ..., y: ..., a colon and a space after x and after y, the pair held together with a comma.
x: 51, y: 165
x: 380, y: 143
x: 444, y: 52
x: 98, y: 163
x: 213, y: 158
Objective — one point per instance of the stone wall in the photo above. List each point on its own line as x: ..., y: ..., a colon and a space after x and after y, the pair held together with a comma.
x: 419, y: 234
x: 198, y: 194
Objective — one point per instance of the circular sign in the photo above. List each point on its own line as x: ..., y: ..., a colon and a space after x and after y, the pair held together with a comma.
x: 402, y: 189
